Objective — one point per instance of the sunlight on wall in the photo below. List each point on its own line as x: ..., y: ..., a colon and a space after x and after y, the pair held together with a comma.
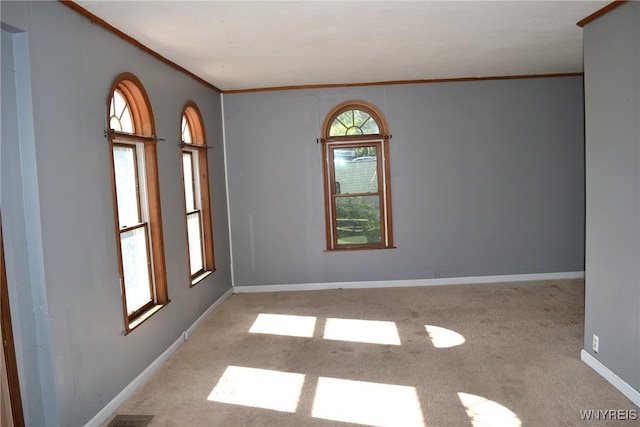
x: 486, y: 413
x: 443, y: 337
x: 284, y: 324
x: 367, y: 403
x: 259, y: 388
x: 367, y: 331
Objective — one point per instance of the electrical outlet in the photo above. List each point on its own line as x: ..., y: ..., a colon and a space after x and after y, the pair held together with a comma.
x: 596, y: 342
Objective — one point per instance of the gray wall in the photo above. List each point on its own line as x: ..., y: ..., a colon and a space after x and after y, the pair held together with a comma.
x: 64, y: 250
x: 487, y: 179
x: 612, y: 115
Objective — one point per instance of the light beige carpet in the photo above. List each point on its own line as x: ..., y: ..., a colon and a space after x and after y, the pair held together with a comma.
x: 466, y: 355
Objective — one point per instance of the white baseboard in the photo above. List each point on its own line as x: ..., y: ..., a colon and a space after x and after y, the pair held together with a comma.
x: 409, y: 283
x: 128, y: 391
x: 200, y: 320
x: 632, y: 394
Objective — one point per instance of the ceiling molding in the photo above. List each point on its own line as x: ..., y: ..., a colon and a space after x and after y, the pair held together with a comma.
x: 597, y: 14
x: 402, y: 82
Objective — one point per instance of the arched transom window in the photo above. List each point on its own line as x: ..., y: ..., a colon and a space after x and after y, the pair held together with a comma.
x: 354, y: 121
x: 120, y: 114
x: 355, y: 147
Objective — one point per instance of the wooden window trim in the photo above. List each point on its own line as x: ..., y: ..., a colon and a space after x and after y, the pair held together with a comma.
x: 194, y: 119
x: 193, y: 156
x: 381, y: 141
x: 8, y: 344
x: 353, y: 105
x: 144, y: 134
x: 139, y: 106
x: 379, y: 194
x: 129, y: 138
x: 199, y: 146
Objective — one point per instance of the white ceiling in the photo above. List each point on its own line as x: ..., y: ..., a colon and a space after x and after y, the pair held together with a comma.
x: 262, y: 44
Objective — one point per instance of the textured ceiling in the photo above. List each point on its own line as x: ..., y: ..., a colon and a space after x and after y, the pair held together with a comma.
x: 261, y: 44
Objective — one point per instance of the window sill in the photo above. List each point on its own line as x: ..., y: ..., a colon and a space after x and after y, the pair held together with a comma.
x: 359, y: 248
x: 144, y: 316
x: 200, y: 277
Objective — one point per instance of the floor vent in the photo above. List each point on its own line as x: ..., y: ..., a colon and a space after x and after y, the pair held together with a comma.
x: 130, y: 421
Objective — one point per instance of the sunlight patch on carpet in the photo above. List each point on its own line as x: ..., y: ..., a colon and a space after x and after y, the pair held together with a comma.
x: 372, y: 404
x: 443, y: 337
x: 486, y: 413
x: 259, y: 388
x: 284, y: 324
x: 366, y: 331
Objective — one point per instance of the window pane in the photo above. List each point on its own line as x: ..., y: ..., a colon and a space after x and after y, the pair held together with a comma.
x: 126, y: 122
x: 370, y: 127
x: 189, y: 188
x: 120, y: 115
x: 346, y: 118
x: 337, y: 129
x: 353, y: 122
x: 359, y: 175
x: 358, y: 219
x: 124, y: 163
x: 194, y: 234
x: 186, y: 131
x: 135, y: 263
x: 114, y: 123
x: 360, y: 117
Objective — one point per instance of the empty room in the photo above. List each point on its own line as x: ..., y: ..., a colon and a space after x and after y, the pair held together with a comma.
x: 320, y: 213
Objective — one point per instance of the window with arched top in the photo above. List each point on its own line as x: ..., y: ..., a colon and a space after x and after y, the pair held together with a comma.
x: 196, y: 192
x: 138, y: 219
x: 357, y: 184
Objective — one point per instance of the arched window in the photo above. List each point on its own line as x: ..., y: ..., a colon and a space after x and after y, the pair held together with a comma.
x: 196, y: 193
x: 355, y: 148
x: 136, y: 200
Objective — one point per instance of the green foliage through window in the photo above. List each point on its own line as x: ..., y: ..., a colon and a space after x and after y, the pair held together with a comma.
x: 354, y: 122
x: 358, y: 219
